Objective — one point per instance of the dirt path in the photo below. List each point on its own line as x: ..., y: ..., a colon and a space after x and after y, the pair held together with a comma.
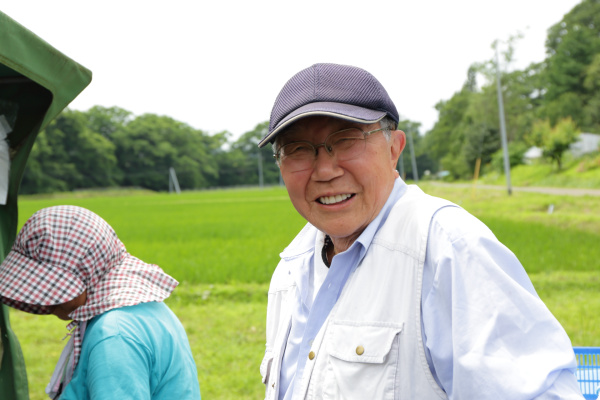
x: 547, y: 190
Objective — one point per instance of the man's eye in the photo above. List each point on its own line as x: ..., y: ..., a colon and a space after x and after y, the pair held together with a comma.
x: 343, y: 142
x: 296, y: 149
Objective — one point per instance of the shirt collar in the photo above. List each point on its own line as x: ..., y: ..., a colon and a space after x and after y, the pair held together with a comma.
x: 366, y: 237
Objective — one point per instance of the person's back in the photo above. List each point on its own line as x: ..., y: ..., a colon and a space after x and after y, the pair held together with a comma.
x: 137, y: 352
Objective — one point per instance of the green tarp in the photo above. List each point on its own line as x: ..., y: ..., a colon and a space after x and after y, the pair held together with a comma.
x: 36, y: 83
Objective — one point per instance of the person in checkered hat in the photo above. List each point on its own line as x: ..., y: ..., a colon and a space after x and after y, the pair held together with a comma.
x: 125, y: 342
x: 388, y: 293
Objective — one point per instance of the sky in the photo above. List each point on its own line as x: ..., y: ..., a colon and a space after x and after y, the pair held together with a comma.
x: 218, y: 65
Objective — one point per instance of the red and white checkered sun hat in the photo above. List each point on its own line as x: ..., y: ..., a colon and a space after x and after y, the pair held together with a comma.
x: 62, y: 251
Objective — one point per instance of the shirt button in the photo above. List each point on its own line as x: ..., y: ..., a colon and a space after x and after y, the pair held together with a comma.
x: 311, y: 355
x: 360, y: 350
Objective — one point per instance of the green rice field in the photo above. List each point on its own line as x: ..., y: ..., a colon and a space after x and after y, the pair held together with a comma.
x: 223, y: 245
x: 222, y: 236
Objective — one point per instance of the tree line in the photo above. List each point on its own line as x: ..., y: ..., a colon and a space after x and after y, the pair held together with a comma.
x: 546, y: 105
x: 109, y: 147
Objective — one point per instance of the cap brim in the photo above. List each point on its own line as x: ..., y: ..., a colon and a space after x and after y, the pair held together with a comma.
x: 347, y: 112
x: 32, y: 286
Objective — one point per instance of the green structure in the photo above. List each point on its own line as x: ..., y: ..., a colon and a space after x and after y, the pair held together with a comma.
x: 36, y: 83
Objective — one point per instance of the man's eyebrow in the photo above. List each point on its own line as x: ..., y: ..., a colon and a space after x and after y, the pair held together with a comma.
x: 285, y: 135
x: 291, y: 130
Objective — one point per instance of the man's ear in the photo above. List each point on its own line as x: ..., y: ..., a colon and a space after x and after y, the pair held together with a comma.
x: 398, y: 143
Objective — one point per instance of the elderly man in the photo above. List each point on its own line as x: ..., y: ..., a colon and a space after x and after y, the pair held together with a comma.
x: 388, y: 293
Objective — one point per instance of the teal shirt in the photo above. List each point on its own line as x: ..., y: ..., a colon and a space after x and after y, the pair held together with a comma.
x: 135, y: 352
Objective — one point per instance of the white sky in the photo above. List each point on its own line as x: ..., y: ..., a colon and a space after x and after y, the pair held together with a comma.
x: 218, y: 65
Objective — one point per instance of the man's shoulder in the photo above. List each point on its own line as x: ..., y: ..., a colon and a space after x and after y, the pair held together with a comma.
x: 414, y: 210
x: 440, y: 216
x: 417, y: 198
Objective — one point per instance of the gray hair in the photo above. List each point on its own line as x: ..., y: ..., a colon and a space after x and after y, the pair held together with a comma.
x: 388, y: 125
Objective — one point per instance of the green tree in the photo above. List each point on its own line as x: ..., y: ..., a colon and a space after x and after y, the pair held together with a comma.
x: 516, y: 153
x: 445, y: 140
x: 466, y: 129
x: 592, y: 84
x: 554, y: 141
x: 107, y: 120
x: 45, y: 170
x: 572, y: 46
x: 233, y: 166
x: 245, y: 159
x: 481, y: 142
x: 422, y: 156
x: 67, y: 155
x: 150, y: 144
x: 217, y: 149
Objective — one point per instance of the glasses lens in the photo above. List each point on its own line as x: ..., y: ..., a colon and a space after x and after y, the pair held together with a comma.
x: 344, y: 145
x: 347, y: 144
x: 297, y: 156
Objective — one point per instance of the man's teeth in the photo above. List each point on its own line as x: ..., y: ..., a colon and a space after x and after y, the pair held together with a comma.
x: 334, y: 199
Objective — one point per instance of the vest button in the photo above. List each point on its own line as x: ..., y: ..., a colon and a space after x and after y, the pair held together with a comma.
x: 311, y: 355
x: 360, y: 350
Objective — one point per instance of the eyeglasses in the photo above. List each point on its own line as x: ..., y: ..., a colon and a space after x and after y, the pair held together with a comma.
x: 346, y: 145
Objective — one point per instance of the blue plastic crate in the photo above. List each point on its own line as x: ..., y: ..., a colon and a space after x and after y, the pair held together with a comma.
x: 588, y: 371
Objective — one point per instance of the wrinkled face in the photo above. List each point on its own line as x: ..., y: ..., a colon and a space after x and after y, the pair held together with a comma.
x: 63, y: 310
x: 341, y: 198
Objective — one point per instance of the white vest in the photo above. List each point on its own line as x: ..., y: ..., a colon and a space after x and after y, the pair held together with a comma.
x: 370, y: 346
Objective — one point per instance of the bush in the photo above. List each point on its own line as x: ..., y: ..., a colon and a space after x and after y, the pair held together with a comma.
x: 516, y: 151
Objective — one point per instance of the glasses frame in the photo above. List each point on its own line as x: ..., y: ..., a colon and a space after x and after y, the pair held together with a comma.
x: 328, y: 149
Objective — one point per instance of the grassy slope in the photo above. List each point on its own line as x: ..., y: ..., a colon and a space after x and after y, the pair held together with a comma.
x: 581, y: 173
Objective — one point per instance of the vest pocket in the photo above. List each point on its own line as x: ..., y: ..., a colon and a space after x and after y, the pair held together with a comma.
x: 362, y: 360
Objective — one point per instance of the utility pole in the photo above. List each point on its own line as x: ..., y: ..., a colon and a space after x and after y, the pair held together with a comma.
x: 401, y: 167
x: 260, y: 170
x: 412, y: 158
x: 502, y: 124
x: 173, y: 182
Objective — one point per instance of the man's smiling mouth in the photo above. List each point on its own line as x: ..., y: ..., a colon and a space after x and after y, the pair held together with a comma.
x: 334, y: 199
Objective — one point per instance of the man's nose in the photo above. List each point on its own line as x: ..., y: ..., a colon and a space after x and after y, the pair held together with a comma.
x: 326, y: 148
x: 325, y: 165
x: 323, y: 151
